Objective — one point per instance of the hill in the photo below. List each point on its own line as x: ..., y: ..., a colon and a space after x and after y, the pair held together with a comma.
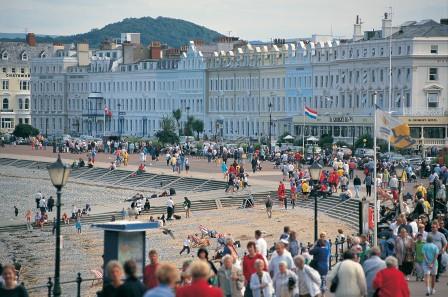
x: 174, y: 32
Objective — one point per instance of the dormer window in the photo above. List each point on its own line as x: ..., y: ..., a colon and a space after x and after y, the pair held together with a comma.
x: 4, y: 55
x: 24, y: 56
x: 43, y: 55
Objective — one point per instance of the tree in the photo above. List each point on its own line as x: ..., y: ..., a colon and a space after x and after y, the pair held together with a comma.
x: 326, y: 141
x: 25, y: 130
x: 177, y: 114
x: 360, y: 141
x: 168, y: 132
x: 198, y: 126
x: 188, y: 129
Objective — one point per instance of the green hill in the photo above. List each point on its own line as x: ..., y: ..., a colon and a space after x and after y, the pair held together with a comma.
x: 174, y: 32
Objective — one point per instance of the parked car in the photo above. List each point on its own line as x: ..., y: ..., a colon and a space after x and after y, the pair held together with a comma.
x: 364, y: 152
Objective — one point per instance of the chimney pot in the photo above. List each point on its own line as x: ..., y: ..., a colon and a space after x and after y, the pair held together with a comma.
x: 31, y: 39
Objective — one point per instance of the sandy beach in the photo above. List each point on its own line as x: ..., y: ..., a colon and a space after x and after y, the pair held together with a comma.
x: 81, y: 253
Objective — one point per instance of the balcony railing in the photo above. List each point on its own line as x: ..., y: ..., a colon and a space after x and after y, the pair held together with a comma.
x: 414, y: 111
x: 7, y: 110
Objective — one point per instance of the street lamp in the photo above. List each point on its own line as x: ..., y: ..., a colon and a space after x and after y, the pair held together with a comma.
x: 270, y: 127
x: 59, y: 173
x: 315, y: 170
x: 399, y: 169
x: 364, y: 142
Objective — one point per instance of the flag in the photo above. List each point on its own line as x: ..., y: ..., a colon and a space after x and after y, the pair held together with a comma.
x: 311, y: 113
x: 393, y: 130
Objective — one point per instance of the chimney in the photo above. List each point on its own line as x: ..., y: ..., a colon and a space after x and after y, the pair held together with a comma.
x: 31, y: 39
x: 357, y: 31
x: 444, y: 21
x: 82, y: 50
x: 155, y: 50
x: 386, y: 28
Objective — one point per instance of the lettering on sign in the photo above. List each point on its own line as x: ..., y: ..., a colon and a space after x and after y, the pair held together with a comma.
x: 19, y: 75
x: 341, y: 119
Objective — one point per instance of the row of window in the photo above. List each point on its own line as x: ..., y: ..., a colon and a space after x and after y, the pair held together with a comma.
x: 24, y: 85
x: 21, y: 103
x: 22, y: 70
x: 5, y: 56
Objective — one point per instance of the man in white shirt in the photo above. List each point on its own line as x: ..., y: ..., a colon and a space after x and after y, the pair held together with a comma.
x: 281, y: 256
x: 260, y: 242
x: 38, y: 198
x: 169, y: 208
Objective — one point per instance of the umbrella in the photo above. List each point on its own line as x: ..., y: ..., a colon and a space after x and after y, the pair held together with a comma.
x: 312, y: 138
x: 288, y: 137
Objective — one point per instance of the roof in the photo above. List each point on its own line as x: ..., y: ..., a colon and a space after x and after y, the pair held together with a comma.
x: 16, y: 49
x: 425, y: 28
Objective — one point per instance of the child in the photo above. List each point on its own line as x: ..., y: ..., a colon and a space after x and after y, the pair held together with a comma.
x: 78, y: 226
x: 419, y: 258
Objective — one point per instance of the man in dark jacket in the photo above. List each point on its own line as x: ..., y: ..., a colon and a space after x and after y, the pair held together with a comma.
x: 132, y: 287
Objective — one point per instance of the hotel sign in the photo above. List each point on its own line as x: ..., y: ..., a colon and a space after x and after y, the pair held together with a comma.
x: 17, y: 75
x: 341, y: 119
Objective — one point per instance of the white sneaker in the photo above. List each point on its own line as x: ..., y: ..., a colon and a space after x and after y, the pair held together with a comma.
x: 433, y: 291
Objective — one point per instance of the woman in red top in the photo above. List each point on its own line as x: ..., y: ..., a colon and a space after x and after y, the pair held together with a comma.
x: 281, y: 191
x: 293, y: 194
x: 249, y: 262
x: 200, y: 271
x: 390, y: 281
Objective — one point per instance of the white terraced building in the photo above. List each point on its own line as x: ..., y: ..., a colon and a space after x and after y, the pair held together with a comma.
x: 231, y: 90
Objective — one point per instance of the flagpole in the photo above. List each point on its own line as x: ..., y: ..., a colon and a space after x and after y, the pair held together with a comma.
x: 390, y: 71
x: 375, y: 193
x: 303, y: 132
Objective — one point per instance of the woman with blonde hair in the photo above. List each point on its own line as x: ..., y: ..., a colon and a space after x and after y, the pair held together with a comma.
x: 114, y: 273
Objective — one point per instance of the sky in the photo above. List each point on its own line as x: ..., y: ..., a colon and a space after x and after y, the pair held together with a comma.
x: 248, y: 19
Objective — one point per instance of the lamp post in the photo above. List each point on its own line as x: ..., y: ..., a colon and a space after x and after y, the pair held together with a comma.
x: 59, y: 173
x: 433, y: 202
x: 364, y: 142
x: 119, y: 121
x: 270, y: 128
x: 315, y: 170
x: 399, y: 169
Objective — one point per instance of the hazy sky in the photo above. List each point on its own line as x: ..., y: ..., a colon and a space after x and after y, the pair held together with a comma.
x: 248, y: 19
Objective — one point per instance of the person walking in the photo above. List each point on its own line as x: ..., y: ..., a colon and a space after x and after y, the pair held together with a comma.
x: 351, y: 279
x: 78, y: 225
x: 169, y: 208
x: 115, y: 275
x: 285, y: 281
x: 405, y: 252
x: 390, y: 282
x: 440, y: 241
x: 186, y: 245
x: 248, y: 264
x: 308, y: 279
x: 28, y: 216
x: 149, y: 275
x: 371, y: 266
x: 10, y: 288
x: 187, y: 165
x: 293, y: 194
x: 321, y: 253
x: 260, y: 281
x: 187, y: 207
x: 368, y: 181
x: 281, y: 192
x: 50, y: 204
x: 132, y: 286
x: 230, y: 278
x: 268, y: 202
x: 261, y: 244
x: 167, y: 275
x: 357, y: 185
x: 200, y: 272
x: 282, y: 256
x: 16, y: 211
x: 430, y: 264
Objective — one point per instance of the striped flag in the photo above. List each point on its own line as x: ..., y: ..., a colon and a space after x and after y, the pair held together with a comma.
x: 311, y: 113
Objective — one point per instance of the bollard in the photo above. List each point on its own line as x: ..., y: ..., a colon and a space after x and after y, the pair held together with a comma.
x: 49, y: 286
x: 78, y: 282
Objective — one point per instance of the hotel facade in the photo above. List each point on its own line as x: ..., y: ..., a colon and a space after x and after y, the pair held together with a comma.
x: 235, y: 89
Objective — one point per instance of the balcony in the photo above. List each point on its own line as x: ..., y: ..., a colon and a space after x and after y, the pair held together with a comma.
x: 425, y: 111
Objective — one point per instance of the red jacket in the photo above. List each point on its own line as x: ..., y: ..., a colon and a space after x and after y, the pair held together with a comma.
x: 391, y: 283
x: 281, y: 191
x: 199, y: 288
x: 249, y: 266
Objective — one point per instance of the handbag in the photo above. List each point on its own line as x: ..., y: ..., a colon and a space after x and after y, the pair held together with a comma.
x: 335, y: 281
